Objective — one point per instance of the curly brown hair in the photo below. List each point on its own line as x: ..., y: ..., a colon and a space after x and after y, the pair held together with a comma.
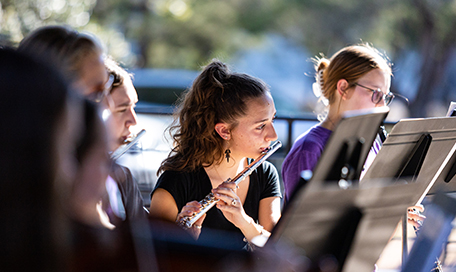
x: 217, y: 95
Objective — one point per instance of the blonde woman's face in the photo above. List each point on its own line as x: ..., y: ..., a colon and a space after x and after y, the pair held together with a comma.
x: 360, y: 97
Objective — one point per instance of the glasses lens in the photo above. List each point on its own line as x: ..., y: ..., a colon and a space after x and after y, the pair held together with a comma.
x: 377, y: 96
x: 108, y: 84
x: 389, y: 98
x: 95, y: 96
x: 99, y: 95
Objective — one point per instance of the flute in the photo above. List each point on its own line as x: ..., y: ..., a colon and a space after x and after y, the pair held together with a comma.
x: 127, y: 145
x: 209, y: 201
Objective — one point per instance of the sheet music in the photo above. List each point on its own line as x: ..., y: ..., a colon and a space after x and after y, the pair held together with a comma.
x: 437, y: 174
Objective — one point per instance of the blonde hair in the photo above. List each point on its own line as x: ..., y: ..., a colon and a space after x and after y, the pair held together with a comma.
x: 349, y: 63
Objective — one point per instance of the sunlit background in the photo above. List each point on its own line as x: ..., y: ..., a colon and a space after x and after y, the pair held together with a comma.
x: 166, y: 42
x: 271, y: 39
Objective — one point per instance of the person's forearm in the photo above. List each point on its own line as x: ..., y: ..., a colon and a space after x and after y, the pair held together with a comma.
x: 251, y: 229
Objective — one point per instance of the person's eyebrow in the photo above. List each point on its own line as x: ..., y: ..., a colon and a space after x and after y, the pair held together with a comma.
x: 266, y: 119
x: 125, y: 104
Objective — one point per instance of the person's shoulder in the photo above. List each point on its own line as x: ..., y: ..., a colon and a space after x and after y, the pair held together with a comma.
x: 268, y: 166
x: 316, y: 134
x: 312, y: 138
x: 267, y: 169
x: 171, y: 174
x: 118, y: 167
x: 119, y: 172
x: 182, y: 176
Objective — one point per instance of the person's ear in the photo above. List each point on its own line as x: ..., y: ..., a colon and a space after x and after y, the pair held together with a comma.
x: 223, y: 130
x: 342, y: 88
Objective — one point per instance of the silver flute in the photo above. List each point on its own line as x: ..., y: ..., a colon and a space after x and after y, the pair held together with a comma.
x: 127, y: 145
x: 209, y: 201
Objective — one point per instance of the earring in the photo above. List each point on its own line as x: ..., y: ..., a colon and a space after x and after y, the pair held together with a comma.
x: 227, y: 154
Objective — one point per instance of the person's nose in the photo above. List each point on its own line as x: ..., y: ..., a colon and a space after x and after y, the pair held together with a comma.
x: 271, y: 134
x: 132, y: 118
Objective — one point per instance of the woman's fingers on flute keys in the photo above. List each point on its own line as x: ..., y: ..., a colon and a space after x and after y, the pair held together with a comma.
x: 190, y: 209
x: 226, y: 195
x: 415, y: 217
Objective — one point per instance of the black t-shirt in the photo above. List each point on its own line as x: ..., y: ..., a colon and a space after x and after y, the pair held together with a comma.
x: 190, y: 186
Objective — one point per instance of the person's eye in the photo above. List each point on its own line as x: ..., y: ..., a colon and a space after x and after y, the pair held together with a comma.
x: 261, y: 127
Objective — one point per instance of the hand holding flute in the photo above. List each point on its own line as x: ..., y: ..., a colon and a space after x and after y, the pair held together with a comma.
x: 190, y: 209
x: 230, y: 205
x: 232, y: 208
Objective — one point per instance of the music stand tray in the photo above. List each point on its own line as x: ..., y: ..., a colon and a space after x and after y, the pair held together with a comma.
x: 414, y: 151
x: 347, y: 147
x: 353, y: 226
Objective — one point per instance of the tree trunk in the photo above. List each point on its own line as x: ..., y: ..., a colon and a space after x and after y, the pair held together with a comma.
x: 435, y: 57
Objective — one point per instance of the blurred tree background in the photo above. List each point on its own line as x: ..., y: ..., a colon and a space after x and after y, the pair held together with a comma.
x: 417, y: 35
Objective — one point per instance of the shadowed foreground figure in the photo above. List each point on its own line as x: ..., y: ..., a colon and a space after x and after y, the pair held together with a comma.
x: 33, y: 110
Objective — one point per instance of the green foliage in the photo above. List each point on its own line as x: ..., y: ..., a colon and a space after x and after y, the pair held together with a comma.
x: 19, y: 17
x: 188, y: 33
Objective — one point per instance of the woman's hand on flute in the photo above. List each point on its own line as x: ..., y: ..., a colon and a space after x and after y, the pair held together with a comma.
x: 414, y: 216
x: 230, y: 204
x: 232, y: 209
x: 188, y: 210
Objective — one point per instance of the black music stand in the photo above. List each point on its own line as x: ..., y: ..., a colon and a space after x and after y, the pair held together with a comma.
x: 451, y: 109
x: 344, y: 155
x: 414, y: 145
x: 347, y: 227
x: 448, y: 183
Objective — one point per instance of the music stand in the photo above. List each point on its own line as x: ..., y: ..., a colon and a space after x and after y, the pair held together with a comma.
x: 452, y: 109
x: 447, y: 183
x: 352, y: 226
x: 347, y: 148
x: 413, y: 145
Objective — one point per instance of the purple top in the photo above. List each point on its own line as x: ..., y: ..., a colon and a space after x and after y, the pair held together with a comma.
x: 304, y: 155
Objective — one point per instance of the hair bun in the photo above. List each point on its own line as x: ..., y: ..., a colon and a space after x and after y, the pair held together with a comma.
x: 322, y: 64
x: 318, y: 87
x: 218, y: 71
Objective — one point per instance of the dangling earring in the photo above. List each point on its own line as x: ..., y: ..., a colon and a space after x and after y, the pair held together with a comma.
x: 227, y: 154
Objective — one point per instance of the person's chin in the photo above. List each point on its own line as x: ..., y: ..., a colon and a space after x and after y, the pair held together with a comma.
x: 115, y: 145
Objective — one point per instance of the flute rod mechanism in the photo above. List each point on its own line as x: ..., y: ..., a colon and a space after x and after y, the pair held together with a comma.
x: 209, y: 201
x: 124, y: 148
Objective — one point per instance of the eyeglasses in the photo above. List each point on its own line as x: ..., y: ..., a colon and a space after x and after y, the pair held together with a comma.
x: 378, y: 95
x: 98, y: 96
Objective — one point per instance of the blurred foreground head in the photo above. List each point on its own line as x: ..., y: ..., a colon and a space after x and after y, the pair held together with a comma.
x: 78, y: 55
x: 34, y: 117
